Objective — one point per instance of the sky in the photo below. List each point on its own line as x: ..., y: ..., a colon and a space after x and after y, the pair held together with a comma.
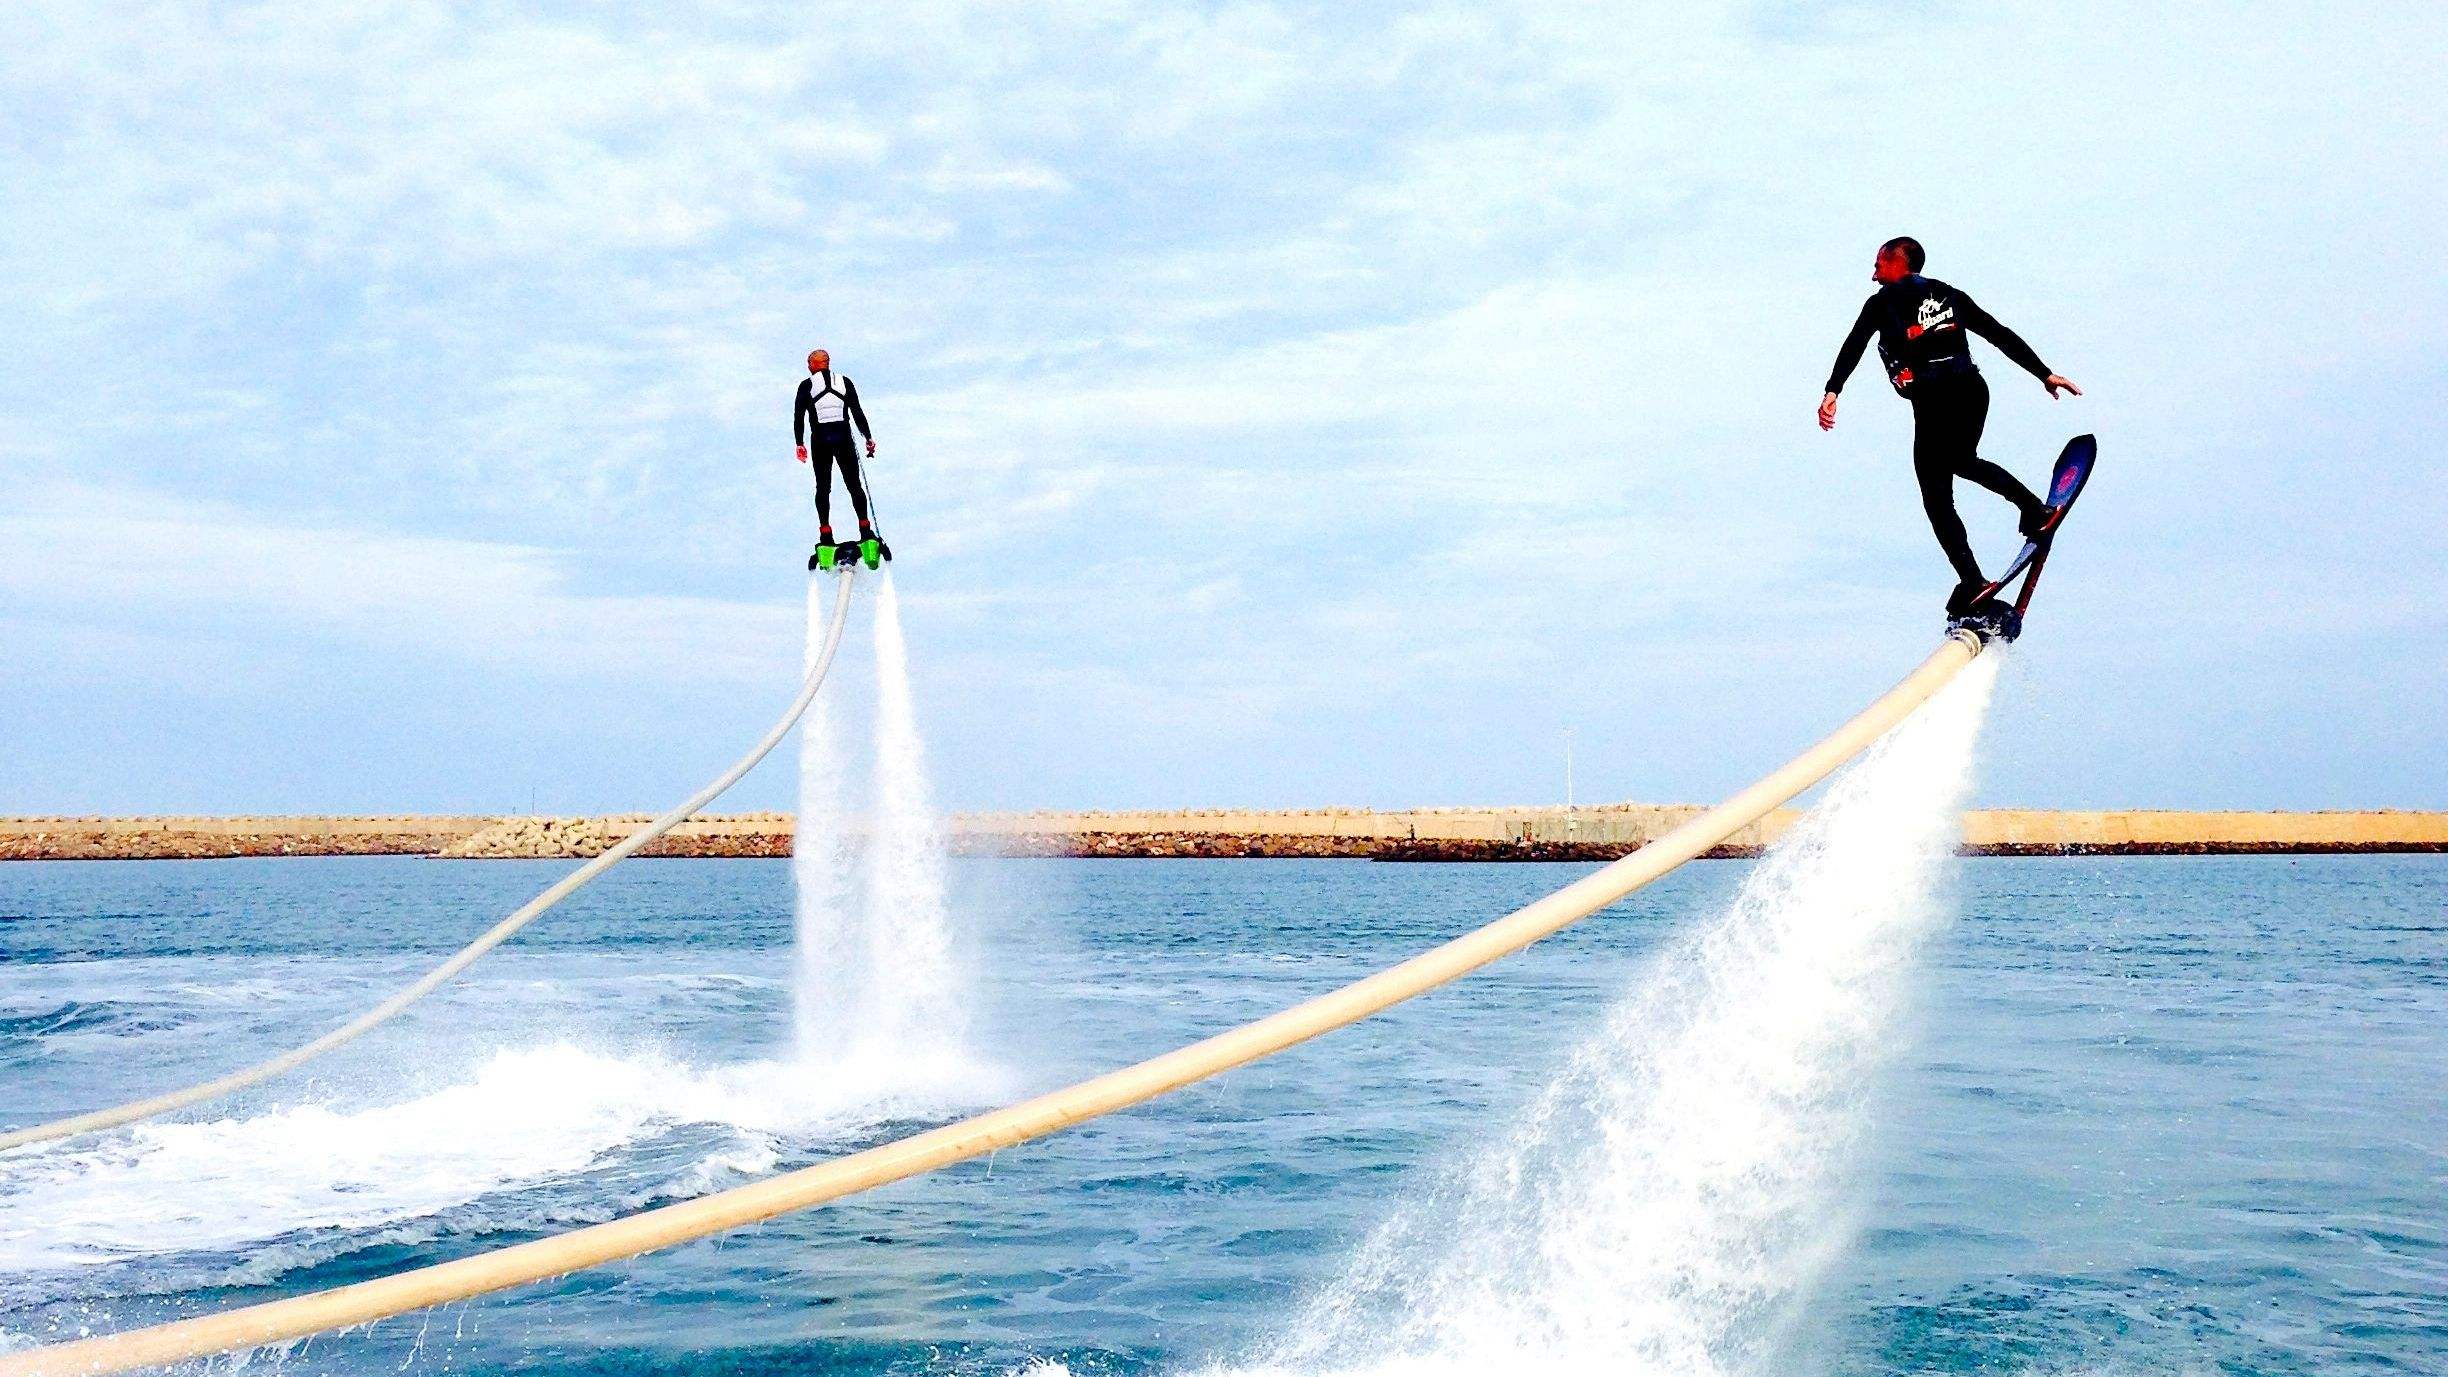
x: 1277, y: 405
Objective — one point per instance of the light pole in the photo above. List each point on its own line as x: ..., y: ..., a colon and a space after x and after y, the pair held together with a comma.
x: 1572, y: 821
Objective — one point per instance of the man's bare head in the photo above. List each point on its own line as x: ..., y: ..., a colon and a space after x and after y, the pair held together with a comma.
x: 1898, y: 258
x: 819, y: 361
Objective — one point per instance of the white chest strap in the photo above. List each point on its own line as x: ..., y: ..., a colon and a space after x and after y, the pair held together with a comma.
x: 828, y: 396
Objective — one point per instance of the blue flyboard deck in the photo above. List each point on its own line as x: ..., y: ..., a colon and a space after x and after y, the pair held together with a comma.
x: 2073, y: 470
x: 1994, y: 620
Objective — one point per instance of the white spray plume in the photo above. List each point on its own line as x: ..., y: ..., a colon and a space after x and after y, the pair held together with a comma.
x: 1666, y: 1204
x: 825, y: 982
x: 878, y: 967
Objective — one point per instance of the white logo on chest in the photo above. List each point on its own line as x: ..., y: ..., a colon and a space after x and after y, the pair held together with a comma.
x: 1935, y: 313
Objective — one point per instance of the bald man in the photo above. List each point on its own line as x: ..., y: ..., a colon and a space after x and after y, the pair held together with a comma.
x: 1921, y: 325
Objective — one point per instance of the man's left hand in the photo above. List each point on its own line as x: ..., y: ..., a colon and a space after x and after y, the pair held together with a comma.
x: 871, y: 439
x: 2055, y: 381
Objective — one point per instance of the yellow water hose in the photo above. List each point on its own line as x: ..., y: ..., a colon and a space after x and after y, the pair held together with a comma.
x: 466, y: 956
x: 361, y: 1302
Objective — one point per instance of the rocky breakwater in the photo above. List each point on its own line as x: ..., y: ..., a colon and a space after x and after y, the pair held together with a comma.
x: 202, y: 838
x: 1514, y: 833
x: 1173, y: 834
x: 570, y: 838
x: 535, y: 839
x: 2162, y: 832
x: 1606, y: 831
x: 1599, y: 832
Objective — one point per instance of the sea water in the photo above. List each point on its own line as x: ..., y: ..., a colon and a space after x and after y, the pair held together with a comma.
x: 2133, y: 1115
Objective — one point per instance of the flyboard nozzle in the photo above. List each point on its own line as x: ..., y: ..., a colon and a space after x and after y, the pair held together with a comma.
x: 1989, y: 620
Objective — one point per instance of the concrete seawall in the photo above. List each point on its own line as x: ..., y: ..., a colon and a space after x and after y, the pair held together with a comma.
x: 1530, y: 833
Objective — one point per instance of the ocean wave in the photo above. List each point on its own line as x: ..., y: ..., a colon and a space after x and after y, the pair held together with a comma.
x: 244, y: 1200
x: 80, y: 1016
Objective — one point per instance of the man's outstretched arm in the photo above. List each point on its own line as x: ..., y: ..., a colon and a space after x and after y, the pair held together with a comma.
x: 2010, y: 344
x: 858, y: 414
x: 1847, y: 357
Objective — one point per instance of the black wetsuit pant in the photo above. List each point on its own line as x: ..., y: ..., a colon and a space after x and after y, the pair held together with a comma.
x: 829, y: 444
x: 1948, y: 413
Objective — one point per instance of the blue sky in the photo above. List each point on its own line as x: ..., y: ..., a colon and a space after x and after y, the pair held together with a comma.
x: 1278, y: 405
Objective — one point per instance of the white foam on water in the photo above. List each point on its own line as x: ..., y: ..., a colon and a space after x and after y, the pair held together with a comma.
x: 528, y: 1116
x: 1666, y: 1204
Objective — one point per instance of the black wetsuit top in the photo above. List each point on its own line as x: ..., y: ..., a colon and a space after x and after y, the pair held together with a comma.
x: 1921, y: 323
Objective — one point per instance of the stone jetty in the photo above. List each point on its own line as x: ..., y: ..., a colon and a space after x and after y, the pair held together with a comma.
x: 1422, y: 834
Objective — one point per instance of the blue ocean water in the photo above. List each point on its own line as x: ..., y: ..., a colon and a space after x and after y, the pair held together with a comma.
x: 2138, y: 1115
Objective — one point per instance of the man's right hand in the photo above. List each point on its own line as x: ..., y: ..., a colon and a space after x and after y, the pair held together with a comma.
x: 1827, y: 412
x: 803, y: 454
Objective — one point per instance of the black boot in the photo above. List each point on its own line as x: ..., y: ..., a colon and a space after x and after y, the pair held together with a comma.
x: 2035, y: 520
x: 1966, y: 593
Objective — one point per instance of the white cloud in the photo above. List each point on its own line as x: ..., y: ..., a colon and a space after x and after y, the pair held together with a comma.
x: 121, y: 567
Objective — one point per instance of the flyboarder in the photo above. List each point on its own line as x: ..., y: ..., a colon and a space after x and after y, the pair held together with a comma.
x: 820, y: 419
x: 1921, y: 323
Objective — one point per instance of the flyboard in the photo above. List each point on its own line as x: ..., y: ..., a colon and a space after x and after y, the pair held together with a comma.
x: 841, y: 554
x: 1989, y: 616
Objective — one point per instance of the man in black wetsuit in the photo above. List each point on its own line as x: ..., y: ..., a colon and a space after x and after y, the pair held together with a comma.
x: 1922, y: 326
x: 820, y: 419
